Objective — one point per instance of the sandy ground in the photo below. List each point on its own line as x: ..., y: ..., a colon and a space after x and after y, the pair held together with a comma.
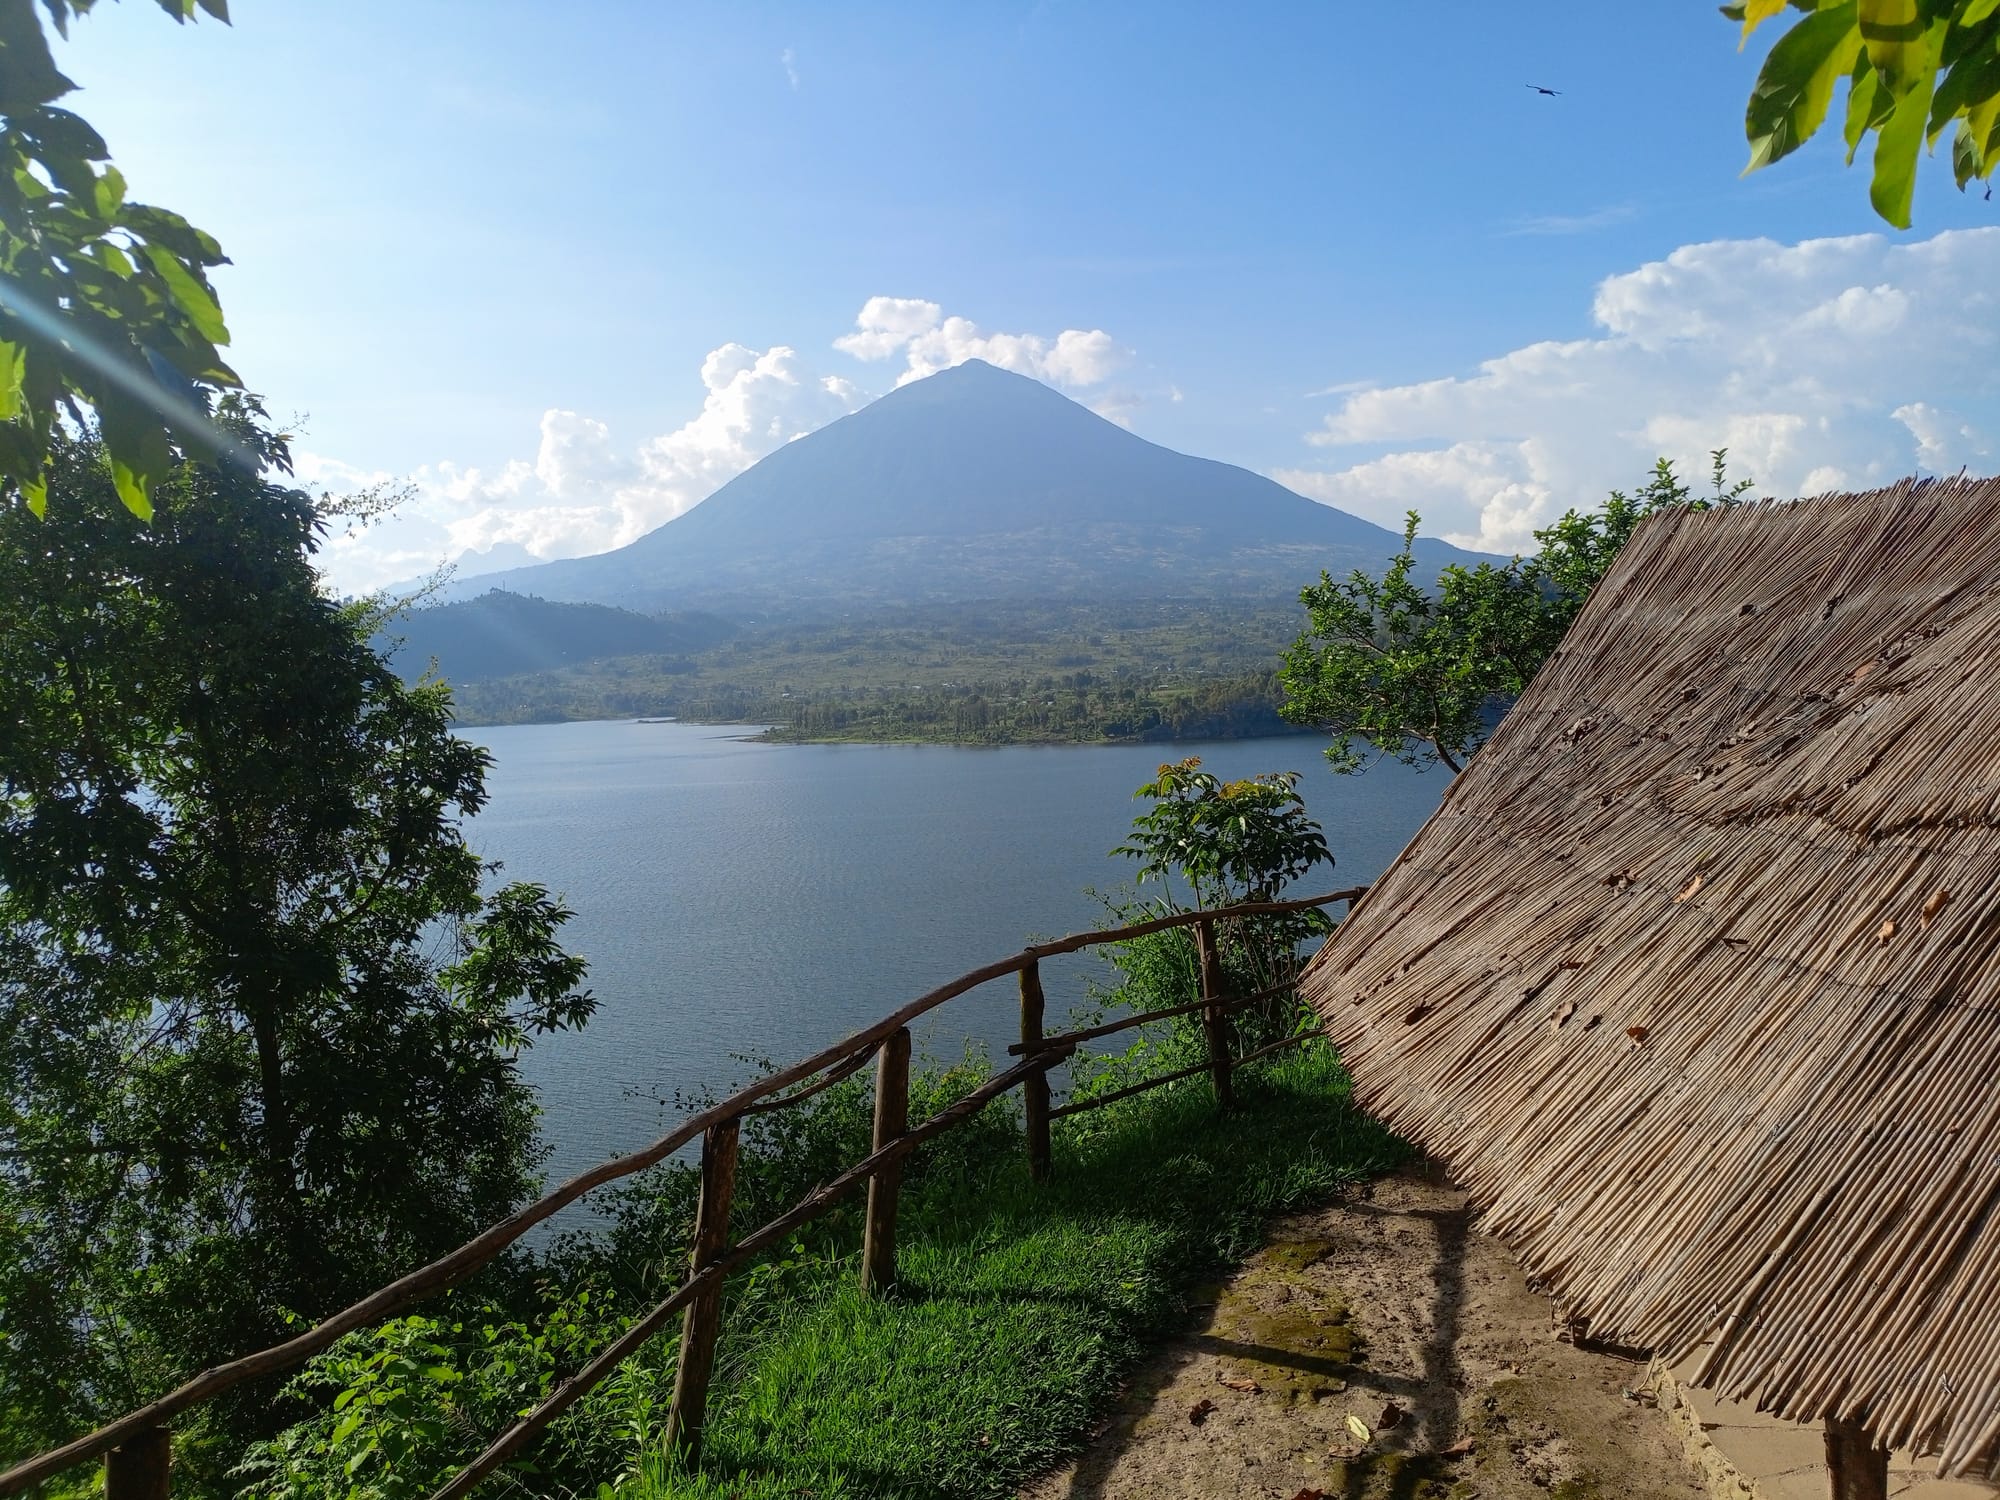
x: 1381, y: 1350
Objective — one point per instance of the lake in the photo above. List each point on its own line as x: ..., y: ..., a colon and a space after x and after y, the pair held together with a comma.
x: 739, y: 900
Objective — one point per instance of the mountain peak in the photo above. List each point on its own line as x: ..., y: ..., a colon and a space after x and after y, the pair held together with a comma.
x: 977, y: 482
x: 973, y: 380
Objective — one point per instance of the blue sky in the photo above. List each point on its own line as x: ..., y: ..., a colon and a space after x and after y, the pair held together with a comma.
x: 493, y: 247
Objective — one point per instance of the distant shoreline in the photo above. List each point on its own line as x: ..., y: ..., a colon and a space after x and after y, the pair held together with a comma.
x: 778, y: 734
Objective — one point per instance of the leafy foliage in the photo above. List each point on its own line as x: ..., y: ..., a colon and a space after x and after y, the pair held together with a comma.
x: 1913, y: 67
x: 1228, y: 843
x: 405, y: 1404
x: 1409, y: 669
x: 1416, y: 673
x: 103, y: 301
x: 259, y: 1024
x: 1231, y: 841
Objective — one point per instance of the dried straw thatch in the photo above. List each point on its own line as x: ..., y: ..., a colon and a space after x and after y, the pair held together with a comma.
x: 1694, y: 979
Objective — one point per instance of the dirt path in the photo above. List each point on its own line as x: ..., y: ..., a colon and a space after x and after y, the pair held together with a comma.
x: 1387, y: 1311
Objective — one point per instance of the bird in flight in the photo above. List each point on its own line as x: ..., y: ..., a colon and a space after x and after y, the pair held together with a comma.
x: 1552, y: 93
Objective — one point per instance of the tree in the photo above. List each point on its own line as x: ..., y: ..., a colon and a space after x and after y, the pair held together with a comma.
x: 1229, y: 842
x: 259, y: 1026
x: 103, y: 301
x: 1912, y: 67
x: 1416, y: 673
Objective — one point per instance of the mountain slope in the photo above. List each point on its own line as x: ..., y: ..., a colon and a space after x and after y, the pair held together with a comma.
x: 500, y: 634
x: 975, y: 483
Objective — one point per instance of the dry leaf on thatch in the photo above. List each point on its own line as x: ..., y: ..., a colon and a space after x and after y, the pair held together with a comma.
x: 1938, y: 902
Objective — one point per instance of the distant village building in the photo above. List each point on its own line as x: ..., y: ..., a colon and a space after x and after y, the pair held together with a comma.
x: 1694, y: 979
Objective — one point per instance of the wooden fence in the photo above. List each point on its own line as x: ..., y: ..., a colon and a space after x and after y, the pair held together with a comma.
x: 137, y: 1448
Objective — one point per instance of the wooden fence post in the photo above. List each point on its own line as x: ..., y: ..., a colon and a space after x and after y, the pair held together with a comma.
x: 892, y: 1118
x: 1857, y: 1467
x: 140, y: 1469
x: 1213, y: 1022
x: 702, y: 1323
x: 1035, y: 1092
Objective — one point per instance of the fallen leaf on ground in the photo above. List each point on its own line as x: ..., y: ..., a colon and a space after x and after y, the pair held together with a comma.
x: 1248, y: 1387
x: 1637, y: 1033
x: 1391, y: 1415
x: 1201, y: 1410
x: 1886, y: 931
x: 1688, y: 890
x: 1459, y: 1449
x: 1938, y: 902
x: 1310, y: 1494
x: 1358, y: 1427
x: 1346, y: 1450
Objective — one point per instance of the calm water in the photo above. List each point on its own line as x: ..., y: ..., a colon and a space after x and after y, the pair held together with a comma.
x: 739, y: 899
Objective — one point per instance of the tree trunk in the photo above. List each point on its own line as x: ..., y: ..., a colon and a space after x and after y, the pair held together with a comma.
x: 1857, y: 1467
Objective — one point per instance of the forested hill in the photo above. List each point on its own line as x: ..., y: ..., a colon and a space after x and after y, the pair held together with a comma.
x: 978, y: 674
x: 500, y: 634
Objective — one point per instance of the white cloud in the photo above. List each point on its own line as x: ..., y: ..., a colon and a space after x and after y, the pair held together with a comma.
x: 1584, y: 223
x: 928, y: 342
x: 1342, y: 388
x: 789, y: 61
x: 1944, y: 444
x: 587, y: 490
x: 1827, y: 364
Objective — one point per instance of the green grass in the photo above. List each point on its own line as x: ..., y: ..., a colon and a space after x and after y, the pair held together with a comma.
x: 1019, y: 1309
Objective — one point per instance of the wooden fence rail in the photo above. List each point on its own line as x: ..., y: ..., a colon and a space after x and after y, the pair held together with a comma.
x: 136, y: 1447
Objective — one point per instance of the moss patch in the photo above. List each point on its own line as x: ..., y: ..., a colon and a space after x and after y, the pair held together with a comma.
x: 1279, y: 1329
x: 1397, y: 1476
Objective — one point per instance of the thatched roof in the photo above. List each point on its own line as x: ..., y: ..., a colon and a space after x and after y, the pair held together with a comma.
x: 1694, y: 979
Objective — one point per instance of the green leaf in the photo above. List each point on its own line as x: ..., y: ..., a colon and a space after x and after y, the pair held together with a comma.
x: 1868, y: 104
x: 1897, y: 146
x: 28, y: 76
x: 1894, y: 32
x: 1972, y: 78
x: 189, y: 293
x: 13, y: 370
x: 1976, y: 149
x: 1795, y: 86
x: 35, y: 490
x: 1753, y: 13
x: 131, y: 486
x: 1972, y: 12
x: 110, y: 193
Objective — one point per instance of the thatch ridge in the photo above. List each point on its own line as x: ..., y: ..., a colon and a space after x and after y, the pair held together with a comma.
x: 1694, y: 978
